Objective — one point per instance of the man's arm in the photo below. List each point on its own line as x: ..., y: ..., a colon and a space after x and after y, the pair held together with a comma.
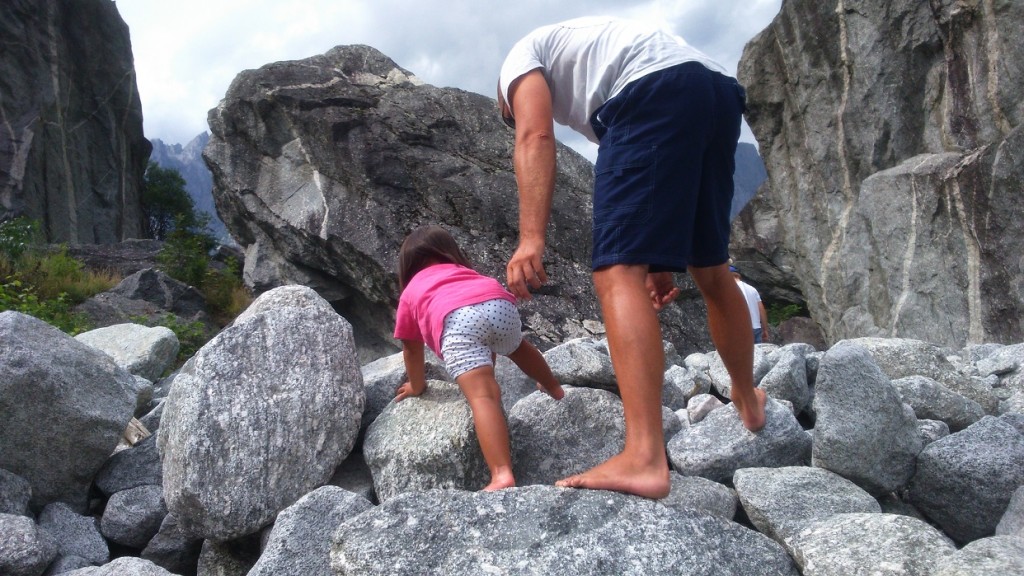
x: 534, y: 161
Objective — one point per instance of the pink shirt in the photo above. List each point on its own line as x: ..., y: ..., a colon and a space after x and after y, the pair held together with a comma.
x: 433, y: 293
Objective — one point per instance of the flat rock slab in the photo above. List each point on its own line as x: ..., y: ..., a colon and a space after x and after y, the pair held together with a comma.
x: 546, y: 530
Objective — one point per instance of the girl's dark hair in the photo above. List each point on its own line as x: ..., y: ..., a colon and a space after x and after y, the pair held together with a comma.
x: 424, y: 246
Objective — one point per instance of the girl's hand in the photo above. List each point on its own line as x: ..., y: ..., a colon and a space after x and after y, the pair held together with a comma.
x: 407, y: 389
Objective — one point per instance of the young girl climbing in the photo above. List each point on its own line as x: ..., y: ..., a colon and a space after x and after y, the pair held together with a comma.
x: 466, y: 318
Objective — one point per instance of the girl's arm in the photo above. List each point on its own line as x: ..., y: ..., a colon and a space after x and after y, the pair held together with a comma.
x: 412, y: 352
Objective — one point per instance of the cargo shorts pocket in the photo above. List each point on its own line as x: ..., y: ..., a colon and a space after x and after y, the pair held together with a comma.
x: 624, y: 185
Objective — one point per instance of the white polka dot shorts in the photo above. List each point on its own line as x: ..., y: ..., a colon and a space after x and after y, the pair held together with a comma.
x: 472, y: 333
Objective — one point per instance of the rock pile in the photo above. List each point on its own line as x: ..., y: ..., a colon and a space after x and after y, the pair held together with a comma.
x: 273, y: 452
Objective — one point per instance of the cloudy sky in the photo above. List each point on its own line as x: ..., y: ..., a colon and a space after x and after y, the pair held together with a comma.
x: 187, y: 52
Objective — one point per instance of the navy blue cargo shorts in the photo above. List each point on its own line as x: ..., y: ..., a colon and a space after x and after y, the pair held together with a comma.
x: 663, y: 179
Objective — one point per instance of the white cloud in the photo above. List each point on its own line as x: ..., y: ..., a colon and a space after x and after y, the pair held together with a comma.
x: 187, y: 52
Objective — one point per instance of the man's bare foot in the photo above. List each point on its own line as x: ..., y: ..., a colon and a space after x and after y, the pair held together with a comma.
x: 500, y: 480
x: 621, y: 474
x: 554, y: 390
x: 752, y: 413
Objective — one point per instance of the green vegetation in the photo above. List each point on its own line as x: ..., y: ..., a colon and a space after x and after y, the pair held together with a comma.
x: 777, y: 313
x: 48, y: 283
x: 45, y: 284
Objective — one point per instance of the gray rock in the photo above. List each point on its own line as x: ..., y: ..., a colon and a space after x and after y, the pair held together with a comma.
x: 700, y: 406
x: 933, y: 401
x: 65, y: 564
x: 382, y: 377
x: 931, y: 430
x: 142, y: 351
x: 862, y: 431
x: 425, y: 442
x: 903, y: 357
x: 1000, y: 361
x: 780, y: 502
x: 149, y: 294
x: 15, y: 494
x: 787, y: 379
x: 985, y: 557
x: 1012, y: 522
x: 136, y: 466
x: 547, y: 530
x: 892, y: 155
x: 123, y: 566
x: 858, y: 543
x: 1012, y: 405
x: 582, y: 362
x: 230, y: 558
x: 696, y: 493
x: 354, y: 476
x: 76, y: 152
x: 24, y: 550
x: 74, y: 534
x: 719, y: 445
x: 52, y: 388
x: 689, y: 382
x: 964, y: 481
x: 132, y: 517
x: 300, y: 542
x: 281, y: 388
x: 171, y: 548
x: 552, y: 439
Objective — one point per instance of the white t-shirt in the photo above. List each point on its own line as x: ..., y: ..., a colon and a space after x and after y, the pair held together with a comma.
x: 587, y: 61
x: 752, y: 298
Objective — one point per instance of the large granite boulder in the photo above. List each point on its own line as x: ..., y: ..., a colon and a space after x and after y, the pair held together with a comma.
x: 547, y: 530
x: 322, y: 166
x: 863, y: 432
x: 72, y: 152
x: 425, y: 442
x: 261, y: 415
x: 891, y: 133
x: 65, y: 405
x: 965, y: 481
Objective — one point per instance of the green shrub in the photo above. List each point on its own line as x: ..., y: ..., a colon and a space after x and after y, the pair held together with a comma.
x: 20, y: 297
x: 191, y: 335
x: 226, y: 295
x: 778, y: 313
x: 17, y: 236
x: 186, y: 252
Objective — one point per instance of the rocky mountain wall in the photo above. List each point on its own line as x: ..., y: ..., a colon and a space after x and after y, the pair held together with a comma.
x: 72, y: 151
x: 891, y: 133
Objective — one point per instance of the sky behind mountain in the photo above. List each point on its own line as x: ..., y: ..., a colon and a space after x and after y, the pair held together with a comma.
x: 187, y: 52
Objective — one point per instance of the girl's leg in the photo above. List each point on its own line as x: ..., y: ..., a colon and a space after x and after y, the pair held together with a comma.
x: 533, y: 364
x: 484, y: 396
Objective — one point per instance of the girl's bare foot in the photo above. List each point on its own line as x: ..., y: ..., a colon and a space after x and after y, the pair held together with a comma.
x: 752, y: 412
x: 621, y: 474
x: 500, y: 480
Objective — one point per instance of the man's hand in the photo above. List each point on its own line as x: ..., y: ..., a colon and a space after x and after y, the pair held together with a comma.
x: 406, y: 390
x: 662, y: 289
x: 525, y: 269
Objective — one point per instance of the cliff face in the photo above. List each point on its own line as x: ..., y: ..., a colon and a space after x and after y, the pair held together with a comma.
x: 891, y: 133
x: 72, y: 150
x: 188, y: 161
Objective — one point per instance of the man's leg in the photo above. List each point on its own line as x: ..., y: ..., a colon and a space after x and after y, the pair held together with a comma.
x: 733, y: 335
x: 634, y: 340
